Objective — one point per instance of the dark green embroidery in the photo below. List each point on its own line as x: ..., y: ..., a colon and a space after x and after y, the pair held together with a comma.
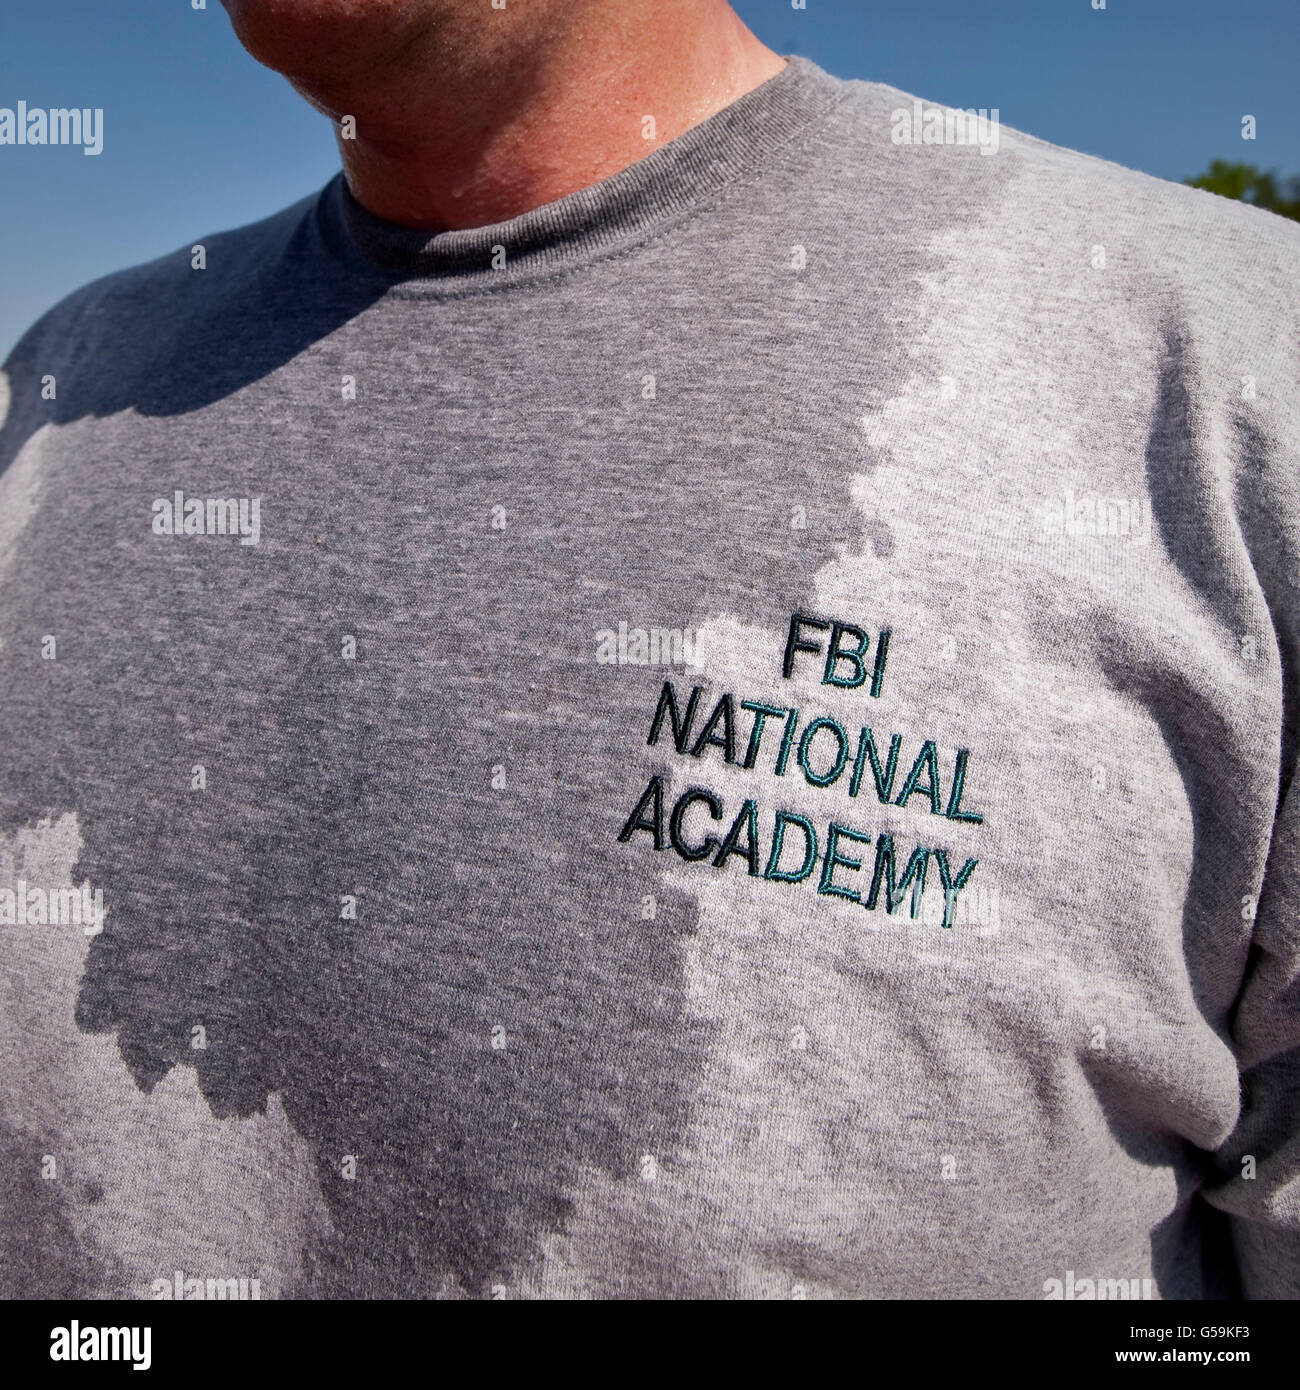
x: 885, y: 780
x: 927, y: 758
x: 652, y: 796
x: 761, y: 715
x: 725, y: 710
x: 834, y: 860
x: 748, y: 817
x: 884, y: 873
x: 843, y: 666
x: 684, y: 802
x: 835, y: 654
x: 952, y: 886
x: 784, y: 818
x: 791, y: 719
x: 668, y: 705
x: 794, y: 643
x: 824, y: 779
x: 878, y: 673
x: 954, y: 811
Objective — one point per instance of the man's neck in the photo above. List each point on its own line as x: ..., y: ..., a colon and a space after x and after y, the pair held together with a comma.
x: 467, y: 135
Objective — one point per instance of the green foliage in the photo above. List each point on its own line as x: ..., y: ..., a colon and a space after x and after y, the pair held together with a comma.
x: 1248, y: 184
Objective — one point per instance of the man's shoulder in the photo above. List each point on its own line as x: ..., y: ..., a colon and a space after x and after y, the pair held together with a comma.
x: 1137, y: 200
x: 152, y: 301
x: 991, y: 168
x: 980, y: 212
x: 166, y: 335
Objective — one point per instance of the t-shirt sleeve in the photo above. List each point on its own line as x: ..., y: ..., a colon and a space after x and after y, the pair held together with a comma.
x: 36, y: 376
x: 1260, y: 1164
x: 1257, y: 1183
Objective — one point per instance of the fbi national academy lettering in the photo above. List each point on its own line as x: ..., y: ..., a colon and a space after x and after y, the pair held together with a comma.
x: 785, y: 846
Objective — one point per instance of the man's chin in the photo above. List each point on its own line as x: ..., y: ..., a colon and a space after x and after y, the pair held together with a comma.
x: 310, y: 38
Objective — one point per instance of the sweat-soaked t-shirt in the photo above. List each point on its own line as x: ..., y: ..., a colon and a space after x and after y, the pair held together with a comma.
x: 730, y: 736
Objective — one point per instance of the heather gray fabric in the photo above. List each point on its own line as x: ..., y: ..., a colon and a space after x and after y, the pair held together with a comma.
x: 412, y: 978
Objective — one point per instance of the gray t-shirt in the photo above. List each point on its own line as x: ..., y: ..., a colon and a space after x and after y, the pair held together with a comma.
x: 470, y: 702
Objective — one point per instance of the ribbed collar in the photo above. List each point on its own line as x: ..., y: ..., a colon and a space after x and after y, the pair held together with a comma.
x: 655, y: 190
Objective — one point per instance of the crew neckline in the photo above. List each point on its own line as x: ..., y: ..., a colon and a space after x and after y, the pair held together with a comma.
x: 581, y: 226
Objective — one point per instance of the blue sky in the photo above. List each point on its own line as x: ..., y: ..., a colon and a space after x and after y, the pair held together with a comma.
x: 198, y: 137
